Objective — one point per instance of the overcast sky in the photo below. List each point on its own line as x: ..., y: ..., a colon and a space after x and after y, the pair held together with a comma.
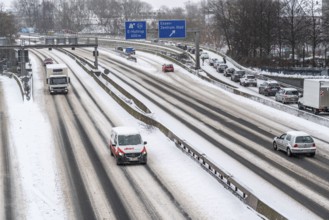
x: 7, y: 3
x: 155, y: 3
x: 169, y: 3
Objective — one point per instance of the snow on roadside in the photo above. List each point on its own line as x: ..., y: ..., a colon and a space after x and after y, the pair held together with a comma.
x: 37, y: 189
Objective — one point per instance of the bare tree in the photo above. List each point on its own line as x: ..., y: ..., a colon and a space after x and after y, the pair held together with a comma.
x: 316, y: 32
x: 7, y: 25
x: 223, y: 20
x: 27, y: 9
x: 294, y: 22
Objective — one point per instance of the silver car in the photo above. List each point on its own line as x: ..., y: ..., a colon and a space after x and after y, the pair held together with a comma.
x: 295, y: 142
x: 287, y: 95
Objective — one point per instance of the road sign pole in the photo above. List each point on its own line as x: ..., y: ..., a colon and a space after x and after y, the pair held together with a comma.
x: 197, y: 50
x: 96, y: 54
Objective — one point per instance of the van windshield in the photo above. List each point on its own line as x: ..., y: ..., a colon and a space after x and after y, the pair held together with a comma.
x: 129, y: 139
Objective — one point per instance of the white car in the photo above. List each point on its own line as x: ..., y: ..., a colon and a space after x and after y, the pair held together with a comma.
x: 204, y: 55
x: 287, y: 95
x: 248, y: 80
x: 127, y: 146
x: 295, y: 142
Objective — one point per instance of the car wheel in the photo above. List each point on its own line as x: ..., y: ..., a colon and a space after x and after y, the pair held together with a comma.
x: 289, y: 154
x: 118, y: 162
x: 275, y: 146
x: 312, y: 154
x: 315, y: 111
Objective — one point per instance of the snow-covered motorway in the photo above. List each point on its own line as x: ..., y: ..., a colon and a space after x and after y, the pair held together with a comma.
x: 235, y: 133
x: 63, y: 170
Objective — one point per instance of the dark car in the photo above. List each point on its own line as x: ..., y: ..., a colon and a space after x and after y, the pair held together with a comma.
x: 167, y: 68
x: 212, y: 61
x: 221, y: 68
x: 235, y: 77
x: 47, y: 61
x: 269, y: 88
x: 229, y: 71
x: 119, y: 48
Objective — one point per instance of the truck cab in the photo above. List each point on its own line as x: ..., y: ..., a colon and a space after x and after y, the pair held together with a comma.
x: 57, y: 78
x: 126, y: 146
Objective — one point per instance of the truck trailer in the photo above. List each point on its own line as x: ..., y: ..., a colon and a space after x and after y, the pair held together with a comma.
x: 57, y: 78
x: 315, y: 96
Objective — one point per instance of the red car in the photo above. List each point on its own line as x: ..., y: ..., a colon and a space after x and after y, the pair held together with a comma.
x: 167, y: 68
x: 48, y: 61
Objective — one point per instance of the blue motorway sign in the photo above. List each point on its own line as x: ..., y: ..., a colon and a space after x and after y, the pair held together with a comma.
x: 172, y: 29
x: 135, y: 30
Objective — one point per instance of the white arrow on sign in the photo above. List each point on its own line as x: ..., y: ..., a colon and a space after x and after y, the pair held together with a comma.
x: 173, y: 32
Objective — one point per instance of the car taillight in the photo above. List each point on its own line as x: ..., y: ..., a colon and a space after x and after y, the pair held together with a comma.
x: 296, y: 145
x: 144, y: 150
x: 313, y: 145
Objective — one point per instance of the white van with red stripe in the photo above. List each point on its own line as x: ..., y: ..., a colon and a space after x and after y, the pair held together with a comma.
x: 127, y: 146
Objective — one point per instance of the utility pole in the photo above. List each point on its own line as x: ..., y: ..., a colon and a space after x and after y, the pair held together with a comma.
x: 197, y: 46
x: 22, y: 58
x: 96, y: 54
x: 197, y: 50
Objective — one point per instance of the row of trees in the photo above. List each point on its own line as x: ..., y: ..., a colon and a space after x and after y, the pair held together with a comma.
x: 252, y: 30
x: 7, y: 24
x: 109, y: 15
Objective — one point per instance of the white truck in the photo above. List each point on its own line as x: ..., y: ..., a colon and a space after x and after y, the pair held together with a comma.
x: 57, y: 78
x: 315, y: 96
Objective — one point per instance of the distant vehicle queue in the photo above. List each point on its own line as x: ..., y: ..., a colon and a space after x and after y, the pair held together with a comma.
x: 315, y: 95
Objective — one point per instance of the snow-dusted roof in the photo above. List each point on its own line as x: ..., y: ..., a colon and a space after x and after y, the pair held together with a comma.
x: 290, y: 89
x: 56, y: 66
x: 319, y: 80
x: 125, y: 130
x: 298, y: 133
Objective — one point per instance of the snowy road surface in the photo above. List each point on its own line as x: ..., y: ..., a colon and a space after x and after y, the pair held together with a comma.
x: 75, y: 130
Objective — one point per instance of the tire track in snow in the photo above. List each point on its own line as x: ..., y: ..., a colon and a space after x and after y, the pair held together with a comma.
x: 5, y: 155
